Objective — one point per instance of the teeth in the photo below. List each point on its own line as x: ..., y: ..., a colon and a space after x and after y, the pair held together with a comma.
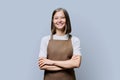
x: 59, y: 24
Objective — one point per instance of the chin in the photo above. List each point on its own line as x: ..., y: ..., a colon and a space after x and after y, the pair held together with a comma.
x: 60, y: 28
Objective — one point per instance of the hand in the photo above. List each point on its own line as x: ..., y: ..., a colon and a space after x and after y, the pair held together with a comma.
x: 43, y: 61
x: 74, y: 57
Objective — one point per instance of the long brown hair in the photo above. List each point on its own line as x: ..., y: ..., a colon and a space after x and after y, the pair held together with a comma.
x: 68, y: 23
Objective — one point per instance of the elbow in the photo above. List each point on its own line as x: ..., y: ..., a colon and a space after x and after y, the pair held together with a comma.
x: 77, y: 65
x: 76, y: 61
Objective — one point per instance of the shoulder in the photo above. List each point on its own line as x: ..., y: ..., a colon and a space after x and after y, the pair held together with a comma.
x: 45, y: 38
x: 75, y: 39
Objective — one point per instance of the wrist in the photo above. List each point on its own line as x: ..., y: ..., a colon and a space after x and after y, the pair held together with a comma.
x: 53, y: 62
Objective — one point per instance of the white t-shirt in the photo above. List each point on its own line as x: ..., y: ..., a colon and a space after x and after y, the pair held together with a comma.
x: 45, y: 40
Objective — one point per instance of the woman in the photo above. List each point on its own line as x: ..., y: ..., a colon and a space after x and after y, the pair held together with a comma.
x: 60, y: 51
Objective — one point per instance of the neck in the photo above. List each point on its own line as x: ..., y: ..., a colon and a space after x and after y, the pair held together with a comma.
x: 60, y: 33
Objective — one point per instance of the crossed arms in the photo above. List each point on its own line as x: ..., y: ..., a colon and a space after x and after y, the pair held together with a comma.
x: 51, y: 65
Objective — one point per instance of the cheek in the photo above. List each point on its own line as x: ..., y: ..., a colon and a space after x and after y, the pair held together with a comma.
x: 54, y: 21
x: 64, y: 20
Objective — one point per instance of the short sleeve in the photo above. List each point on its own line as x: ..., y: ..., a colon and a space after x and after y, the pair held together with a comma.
x: 76, y: 45
x: 43, y: 47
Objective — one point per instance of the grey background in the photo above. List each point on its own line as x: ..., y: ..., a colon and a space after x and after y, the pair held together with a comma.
x: 24, y: 22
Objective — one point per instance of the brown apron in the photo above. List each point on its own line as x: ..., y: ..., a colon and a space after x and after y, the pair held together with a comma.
x: 59, y: 50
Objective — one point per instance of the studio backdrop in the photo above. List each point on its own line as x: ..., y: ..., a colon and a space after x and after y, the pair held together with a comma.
x: 24, y: 22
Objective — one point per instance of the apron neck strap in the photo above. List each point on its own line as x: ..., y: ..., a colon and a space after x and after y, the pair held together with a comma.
x: 69, y: 36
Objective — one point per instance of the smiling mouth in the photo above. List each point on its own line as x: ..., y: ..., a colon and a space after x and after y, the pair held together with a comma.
x: 60, y: 24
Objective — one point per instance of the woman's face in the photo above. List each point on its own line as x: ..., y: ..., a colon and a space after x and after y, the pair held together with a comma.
x: 59, y: 20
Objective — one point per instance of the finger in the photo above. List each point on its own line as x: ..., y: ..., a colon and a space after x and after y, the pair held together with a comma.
x: 42, y: 64
x: 76, y: 58
x: 40, y: 59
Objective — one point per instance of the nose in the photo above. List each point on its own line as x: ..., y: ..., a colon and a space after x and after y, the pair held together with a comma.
x: 59, y: 20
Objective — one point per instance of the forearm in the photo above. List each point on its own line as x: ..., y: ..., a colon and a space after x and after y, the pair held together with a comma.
x: 51, y: 68
x: 65, y: 64
x: 48, y: 64
x: 72, y: 63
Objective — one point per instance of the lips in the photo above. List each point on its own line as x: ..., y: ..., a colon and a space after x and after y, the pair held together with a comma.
x: 60, y: 24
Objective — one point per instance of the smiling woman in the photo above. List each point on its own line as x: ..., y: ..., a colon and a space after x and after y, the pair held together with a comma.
x: 60, y: 51
x: 59, y: 21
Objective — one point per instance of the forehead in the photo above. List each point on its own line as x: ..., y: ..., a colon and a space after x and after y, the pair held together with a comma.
x: 59, y: 13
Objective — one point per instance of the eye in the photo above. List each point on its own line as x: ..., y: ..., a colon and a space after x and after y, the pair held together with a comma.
x: 55, y: 17
x: 63, y: 17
